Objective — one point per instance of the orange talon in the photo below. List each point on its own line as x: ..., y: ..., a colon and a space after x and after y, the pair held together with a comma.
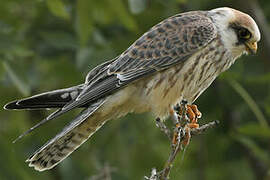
x: 191, y: 114
x: 196, y: 111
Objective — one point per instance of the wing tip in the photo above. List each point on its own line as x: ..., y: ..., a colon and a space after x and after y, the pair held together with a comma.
x: 12, y: 105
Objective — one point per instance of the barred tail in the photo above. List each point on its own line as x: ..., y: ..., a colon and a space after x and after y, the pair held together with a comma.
x: 71, y: 137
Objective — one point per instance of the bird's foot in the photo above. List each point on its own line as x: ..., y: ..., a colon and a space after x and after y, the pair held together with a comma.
x: 188, y: 119
x: 193, y: 114
x: 186, y: 136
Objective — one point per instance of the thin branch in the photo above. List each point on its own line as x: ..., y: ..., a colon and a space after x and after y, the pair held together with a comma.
x: 163, y: 128
x: 205, y: 127
x: 179, y: 137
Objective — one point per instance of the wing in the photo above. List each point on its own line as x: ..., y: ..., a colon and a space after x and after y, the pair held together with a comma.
x: 172, y: 41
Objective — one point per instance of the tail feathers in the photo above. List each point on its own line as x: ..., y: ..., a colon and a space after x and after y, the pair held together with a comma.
x: 67, y: 95
x: 51, y: 99
x: 36, y: 126
x: 71, y: 137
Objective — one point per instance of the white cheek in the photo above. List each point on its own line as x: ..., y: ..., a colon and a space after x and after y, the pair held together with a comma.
x: 230, y: 41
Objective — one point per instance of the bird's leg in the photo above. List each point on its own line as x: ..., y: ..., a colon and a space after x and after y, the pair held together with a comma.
x: 179, y: 117
x: 193, y: 114
x: 187, y: 136
x: 175, y: 119
x: 176, y: 134
x: 187, y: 119
x: 184, y: 117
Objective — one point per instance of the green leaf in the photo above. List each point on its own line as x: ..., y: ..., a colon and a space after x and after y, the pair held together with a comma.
x: 261, y: 79
x: 250, y: 102
x: 23, y: 87
x: 82, y: 57
x: 254, y: 130
x: 59, y: 39
x: 255, y: 149
x: 84, y: 23
x: 22, y: 52
x: 58, y: 9
x: 181, y: 1
x: 121, y: 13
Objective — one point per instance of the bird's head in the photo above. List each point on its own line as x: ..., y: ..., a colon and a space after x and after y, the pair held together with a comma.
x: 239, y: 32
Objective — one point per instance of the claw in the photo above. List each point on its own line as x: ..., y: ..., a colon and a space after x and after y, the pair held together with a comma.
x: 196, y: 111
x: 193, y: 114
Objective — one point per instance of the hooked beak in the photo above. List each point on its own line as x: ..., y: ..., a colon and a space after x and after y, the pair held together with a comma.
x: 251, y: 47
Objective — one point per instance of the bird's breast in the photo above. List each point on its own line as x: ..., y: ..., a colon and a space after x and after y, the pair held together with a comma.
x: 186, y: 80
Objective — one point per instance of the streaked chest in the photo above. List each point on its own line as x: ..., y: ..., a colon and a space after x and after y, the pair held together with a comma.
x: 187, y: 80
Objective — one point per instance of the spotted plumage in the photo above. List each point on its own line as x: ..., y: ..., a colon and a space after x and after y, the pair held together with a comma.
x: 176, y: 59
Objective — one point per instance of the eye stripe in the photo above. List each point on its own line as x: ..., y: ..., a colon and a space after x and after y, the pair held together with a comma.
x: 241, y: 37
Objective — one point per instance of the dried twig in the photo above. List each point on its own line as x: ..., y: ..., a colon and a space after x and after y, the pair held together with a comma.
x: 163, y: 128
x: 104, y: 173
x: 179, y: 136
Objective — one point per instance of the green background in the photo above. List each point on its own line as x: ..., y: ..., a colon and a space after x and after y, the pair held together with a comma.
x: 46, y: 45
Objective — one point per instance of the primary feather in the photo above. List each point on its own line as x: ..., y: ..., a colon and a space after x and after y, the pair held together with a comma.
x: 51, y: 99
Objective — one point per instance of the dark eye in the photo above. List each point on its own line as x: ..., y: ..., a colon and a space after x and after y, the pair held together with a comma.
x: 244, y: 34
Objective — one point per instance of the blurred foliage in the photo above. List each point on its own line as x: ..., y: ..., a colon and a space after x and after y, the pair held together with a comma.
x: 52, y: 44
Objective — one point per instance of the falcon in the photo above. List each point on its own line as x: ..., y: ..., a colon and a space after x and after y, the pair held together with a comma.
x: 175, y: 60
